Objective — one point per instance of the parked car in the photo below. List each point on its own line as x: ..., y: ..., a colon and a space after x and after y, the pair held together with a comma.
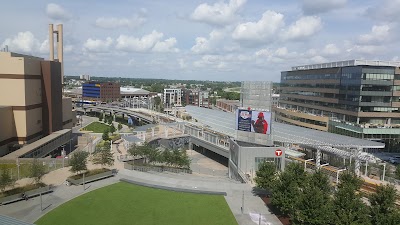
x: 395, y: 159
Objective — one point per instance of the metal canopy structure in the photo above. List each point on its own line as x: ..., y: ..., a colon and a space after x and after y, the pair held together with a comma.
x: 224, y: 122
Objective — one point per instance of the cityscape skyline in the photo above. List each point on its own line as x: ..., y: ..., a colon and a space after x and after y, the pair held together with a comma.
x: 212, y: 40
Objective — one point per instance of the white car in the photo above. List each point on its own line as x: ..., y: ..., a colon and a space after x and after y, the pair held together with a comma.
x: 395, y: 159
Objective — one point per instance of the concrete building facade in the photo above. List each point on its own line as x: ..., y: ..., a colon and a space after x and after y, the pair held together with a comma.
x: 30, y: 99
x: 357, y: 98
x: 172, y: 97
x: 227, y: 105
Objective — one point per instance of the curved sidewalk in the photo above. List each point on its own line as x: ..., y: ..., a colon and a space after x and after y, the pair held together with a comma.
x: 236, y: 192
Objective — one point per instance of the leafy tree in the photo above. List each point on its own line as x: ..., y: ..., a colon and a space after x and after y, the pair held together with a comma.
x: 112, y: 128
x: 119, y: 126
x: 315, y: 205
x: 348, y: 206
x: 181, y: 158
x: 78, y: 161
x: 37, y: 170
x: 110, y: 120
x: 5, y: 179
x: 166, y: 157
x: 383, y: 208
x: 103, y: 155
x: 397, y: 172
x: 101, y: 117
x: 266, y: 175
x: 288, y: 187
x: 105, y: 136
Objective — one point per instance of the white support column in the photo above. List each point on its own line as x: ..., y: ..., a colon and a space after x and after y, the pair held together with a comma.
x: 357, y: 165
x: 152, y: 132
x: 318, y: 158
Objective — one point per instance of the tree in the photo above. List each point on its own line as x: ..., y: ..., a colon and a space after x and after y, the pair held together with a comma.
x: 78, y: 161
x: 105, y: 136
x: 288, y: 187
x: 101, y: 117
x: 5, y: 179
x: 103, y: 155
x: 37, y: 170
x: 383, y: 208
x: 119, y: 126
x: 112, y: 128
x: 110, y: 120
x: 315, y: 205
x: 348, y: 206
x: 266, y: 175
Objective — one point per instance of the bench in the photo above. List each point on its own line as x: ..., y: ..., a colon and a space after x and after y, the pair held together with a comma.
x: 29, y: 194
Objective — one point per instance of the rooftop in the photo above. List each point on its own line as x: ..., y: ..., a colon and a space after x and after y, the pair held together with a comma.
x: 132, y: 90
x: 224, y: 122
x: 354, y: 62
x: 132, y: 139
x: 35, y: 145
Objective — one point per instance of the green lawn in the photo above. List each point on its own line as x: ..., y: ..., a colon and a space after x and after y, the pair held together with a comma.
x: 124, y: 203
x: 97, y: 127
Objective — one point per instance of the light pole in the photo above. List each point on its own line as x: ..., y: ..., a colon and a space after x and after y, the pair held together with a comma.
x: 337, y: 176
x: 305, y: 163
x: 384, y: 170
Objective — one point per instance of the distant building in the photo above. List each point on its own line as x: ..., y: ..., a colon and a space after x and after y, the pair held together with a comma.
x: 105, y: 91
x: 133, y: 97
x: 195, y: 97
x: 84, y: 77
x: 227, y: 105
x: 172, y: 97
x: 357, y: 98
x: 275, y: 99
x: 31, y: 103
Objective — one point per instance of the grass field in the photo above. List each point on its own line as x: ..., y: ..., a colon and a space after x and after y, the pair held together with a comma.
x: 97, y: 127
x: 124, y: 203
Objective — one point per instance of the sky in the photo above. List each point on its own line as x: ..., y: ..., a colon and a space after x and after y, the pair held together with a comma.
x: 226, y: 40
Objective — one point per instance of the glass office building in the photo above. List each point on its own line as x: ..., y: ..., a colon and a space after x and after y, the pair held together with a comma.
x: 356, y: 98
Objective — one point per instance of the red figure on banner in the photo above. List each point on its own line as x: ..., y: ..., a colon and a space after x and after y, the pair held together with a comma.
x: 261, y: 125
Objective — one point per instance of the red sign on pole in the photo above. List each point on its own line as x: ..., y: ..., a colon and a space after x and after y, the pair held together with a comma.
x: 278, y: 152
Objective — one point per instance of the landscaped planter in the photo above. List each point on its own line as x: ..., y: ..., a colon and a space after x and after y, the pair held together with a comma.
x: 156, y: 168
x: 29, y: 194
x: 93, y: 177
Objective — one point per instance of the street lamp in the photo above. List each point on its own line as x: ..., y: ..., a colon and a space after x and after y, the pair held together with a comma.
x: 305, y: 163
x: 384, y: 170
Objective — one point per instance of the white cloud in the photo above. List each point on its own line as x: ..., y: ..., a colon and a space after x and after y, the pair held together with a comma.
x: 378, y: 34
x: 166, y: 46
x: 366, y: 49
x: 149, y: 42
x: 143, y: 44
x: 219, y: 13
x: 23, y: 42
x: 330, y: 49
x: 97, y: 45
x: 318, y: 59
x: 303, y: 28
x: 384, y: 10
x: 56, y: 12
x: 204, y: 45
x: 261, y: 31
x: 112, y: 22
x: 311, y: 7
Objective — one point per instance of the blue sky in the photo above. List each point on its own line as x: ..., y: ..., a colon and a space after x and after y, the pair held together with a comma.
x: 230, y: 40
